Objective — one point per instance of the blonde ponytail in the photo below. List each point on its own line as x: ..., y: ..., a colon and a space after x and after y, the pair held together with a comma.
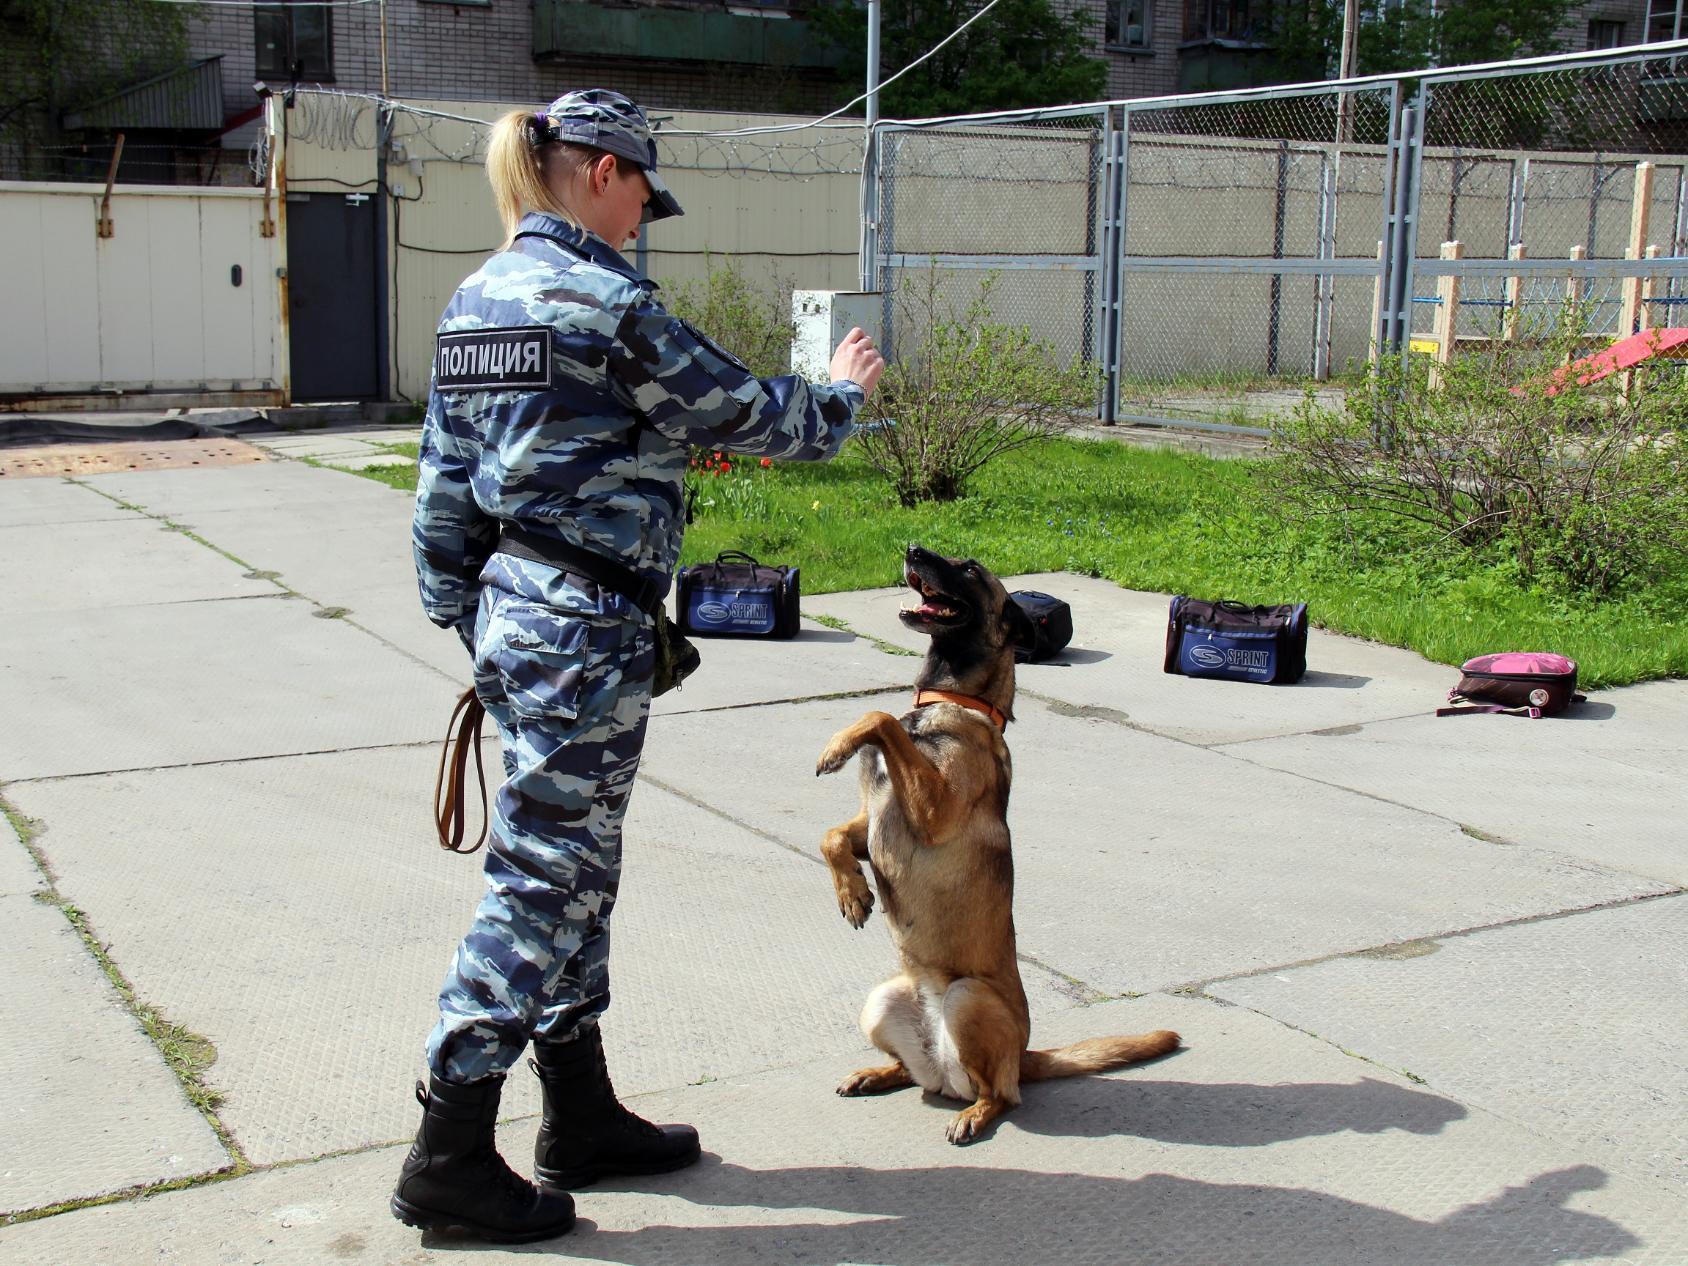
x: 519, y: 172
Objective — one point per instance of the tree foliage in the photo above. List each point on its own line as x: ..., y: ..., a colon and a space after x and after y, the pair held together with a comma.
x: 56, y: 55
x: 1023, y: 53
x: 1414, y: 35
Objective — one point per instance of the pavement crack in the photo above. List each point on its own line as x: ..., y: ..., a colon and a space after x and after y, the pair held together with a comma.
x: 185, y: 1053
x: 222, y: 760
x: 1414, y: 947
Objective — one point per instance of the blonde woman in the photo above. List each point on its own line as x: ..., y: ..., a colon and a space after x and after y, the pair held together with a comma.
x: 548, y: 520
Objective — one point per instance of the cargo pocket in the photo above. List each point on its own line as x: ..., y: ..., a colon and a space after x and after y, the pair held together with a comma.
x: 551, y: 665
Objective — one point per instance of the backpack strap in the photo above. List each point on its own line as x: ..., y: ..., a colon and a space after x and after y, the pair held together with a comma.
x: 1473, y: 708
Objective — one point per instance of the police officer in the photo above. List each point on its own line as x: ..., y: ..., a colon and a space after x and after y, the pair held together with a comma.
x: 547, y: 524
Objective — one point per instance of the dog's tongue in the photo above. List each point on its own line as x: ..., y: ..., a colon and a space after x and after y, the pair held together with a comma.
x: 930, y: 608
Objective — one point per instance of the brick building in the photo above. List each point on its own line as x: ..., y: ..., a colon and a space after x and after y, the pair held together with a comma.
x: 738, y: 55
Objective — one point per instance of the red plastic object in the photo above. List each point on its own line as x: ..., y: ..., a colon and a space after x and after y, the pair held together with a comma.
x: 1624, y: 354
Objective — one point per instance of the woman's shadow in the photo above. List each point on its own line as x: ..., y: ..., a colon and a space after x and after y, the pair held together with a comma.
x: 969, y: 1214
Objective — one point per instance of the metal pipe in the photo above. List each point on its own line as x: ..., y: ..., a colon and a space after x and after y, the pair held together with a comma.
x: 104, y: 227
x: 870, y: 183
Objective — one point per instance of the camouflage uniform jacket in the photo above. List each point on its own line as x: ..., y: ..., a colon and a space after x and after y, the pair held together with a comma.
x: 565, y: 398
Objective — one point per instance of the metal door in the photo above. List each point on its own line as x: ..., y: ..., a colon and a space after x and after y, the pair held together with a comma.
x: 335, y: 353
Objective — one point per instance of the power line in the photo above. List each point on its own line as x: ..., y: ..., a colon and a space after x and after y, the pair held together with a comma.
x: 797, y: 127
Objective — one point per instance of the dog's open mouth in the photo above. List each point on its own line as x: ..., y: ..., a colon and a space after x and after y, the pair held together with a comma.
x: 934, y: 606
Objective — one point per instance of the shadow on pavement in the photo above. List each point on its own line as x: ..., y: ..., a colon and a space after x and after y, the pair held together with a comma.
x: 1227, y: 1115
x: 985, y: 1217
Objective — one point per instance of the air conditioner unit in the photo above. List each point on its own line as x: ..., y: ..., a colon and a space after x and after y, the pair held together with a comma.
x: 1134, y: 33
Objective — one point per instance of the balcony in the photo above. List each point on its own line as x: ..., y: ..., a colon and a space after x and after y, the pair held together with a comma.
x: 573, y: 28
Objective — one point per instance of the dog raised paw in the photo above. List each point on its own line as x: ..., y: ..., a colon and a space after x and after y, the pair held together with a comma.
x: 855, y: 900
x: 836, y: 756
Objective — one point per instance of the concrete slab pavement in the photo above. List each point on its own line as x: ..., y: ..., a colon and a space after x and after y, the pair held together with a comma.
x: 54, y: 501
x: 1171, y: 885
x: 1581, y: 784
x: 333, y: 915
x: 91, y: 1108
x: 143, y: 686
x: 233, y: 790
x: 1258, y: 1144
x: 1524, y: 1022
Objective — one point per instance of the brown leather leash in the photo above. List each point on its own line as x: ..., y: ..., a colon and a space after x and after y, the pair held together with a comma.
x: 463, y: 736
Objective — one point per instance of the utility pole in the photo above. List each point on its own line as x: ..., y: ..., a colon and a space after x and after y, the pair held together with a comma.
x: 869, y: 262
x: 1345, y: 70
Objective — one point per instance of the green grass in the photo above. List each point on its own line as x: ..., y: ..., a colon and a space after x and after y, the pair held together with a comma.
x: 1172, y: 522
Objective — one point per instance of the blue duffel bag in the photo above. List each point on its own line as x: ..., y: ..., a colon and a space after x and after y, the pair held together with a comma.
x: 1237, y: 642
x: 736, y: 596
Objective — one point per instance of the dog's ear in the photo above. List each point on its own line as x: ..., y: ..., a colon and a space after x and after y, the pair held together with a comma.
x: 1021, y: 631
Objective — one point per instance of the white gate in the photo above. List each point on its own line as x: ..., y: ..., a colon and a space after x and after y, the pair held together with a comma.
x: 184, y: 297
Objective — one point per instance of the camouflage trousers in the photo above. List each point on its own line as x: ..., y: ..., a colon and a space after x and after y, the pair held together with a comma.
x: 565, y: 672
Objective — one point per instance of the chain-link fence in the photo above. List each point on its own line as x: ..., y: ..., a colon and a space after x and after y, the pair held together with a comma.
x: 1006, y: 214
x: 1217, y: 255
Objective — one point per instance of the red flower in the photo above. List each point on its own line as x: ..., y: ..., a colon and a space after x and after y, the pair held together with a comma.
x: 725, y: 467
x: 767, y: 462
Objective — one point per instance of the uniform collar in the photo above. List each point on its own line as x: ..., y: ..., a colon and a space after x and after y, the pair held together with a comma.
x: 578, y: 241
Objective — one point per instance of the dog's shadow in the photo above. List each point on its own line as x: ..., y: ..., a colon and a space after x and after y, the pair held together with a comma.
x: 1226, y: 1114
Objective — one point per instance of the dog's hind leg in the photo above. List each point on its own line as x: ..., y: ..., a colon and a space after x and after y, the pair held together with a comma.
x: 895, y: 1021
x: 844, y: 847
x: 979, y: 1054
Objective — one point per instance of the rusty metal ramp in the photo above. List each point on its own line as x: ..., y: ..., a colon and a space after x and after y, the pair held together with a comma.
x: 106, y: 456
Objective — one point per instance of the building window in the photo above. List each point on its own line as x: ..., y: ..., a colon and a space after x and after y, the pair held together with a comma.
x: 1127, y: 24
x: 1605, y: 33
x: 1666, y: 20
x: 1217, y: 20
x: 294, y: 42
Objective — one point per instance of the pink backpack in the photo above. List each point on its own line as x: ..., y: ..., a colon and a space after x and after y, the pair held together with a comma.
x: 1517, y: 683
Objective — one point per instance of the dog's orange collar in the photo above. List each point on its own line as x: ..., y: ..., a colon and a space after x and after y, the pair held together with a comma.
x: 924, y: 697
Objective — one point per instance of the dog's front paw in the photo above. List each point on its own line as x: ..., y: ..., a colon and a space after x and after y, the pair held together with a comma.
x: 966, y: 1126
x: 836, y: 756
x: 855, y: 899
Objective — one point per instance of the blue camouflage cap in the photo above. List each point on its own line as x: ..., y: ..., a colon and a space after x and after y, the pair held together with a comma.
x: 609, y: 121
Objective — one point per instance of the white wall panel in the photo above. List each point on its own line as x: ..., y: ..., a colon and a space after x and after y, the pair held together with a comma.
x: 150, y: 306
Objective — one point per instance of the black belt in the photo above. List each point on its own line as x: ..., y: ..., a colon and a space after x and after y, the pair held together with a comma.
x: 602, y: 572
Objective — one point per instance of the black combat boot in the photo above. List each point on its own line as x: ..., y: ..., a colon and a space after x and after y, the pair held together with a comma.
x: 586, y: 1134
x: 454, y: 1178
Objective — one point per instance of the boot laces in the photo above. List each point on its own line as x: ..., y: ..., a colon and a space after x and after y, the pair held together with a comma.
x: 627, y: 1117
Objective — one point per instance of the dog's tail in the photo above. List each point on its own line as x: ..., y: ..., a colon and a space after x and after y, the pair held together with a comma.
x: 1095, y: 1055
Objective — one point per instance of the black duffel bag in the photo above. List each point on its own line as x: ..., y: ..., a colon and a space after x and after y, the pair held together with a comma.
x: 736, y: 596
x: 1052, y: 625
x: 1237, y: 642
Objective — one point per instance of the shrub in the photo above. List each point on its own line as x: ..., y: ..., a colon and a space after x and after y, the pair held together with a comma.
x: 1588, y: 490
x: 752, y: 324
x: 973, y: 388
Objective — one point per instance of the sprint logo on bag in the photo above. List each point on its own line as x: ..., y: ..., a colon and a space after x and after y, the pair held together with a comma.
x: 754, y: 613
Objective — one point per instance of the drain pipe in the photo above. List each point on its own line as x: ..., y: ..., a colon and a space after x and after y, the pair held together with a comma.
x: 105, y: 228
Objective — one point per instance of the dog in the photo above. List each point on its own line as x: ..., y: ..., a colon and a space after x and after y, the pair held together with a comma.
x: 933, y: 826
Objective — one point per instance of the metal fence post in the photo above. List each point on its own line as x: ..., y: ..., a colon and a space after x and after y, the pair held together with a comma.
x: 1108, y: 299
x: 1122, y: 245
x: 868, y: 267
x: 886, y: 233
